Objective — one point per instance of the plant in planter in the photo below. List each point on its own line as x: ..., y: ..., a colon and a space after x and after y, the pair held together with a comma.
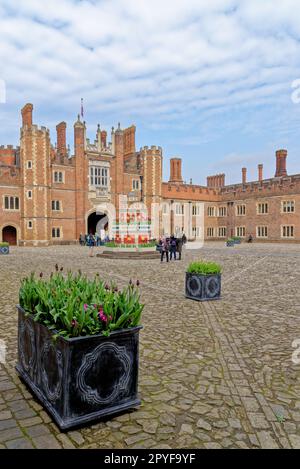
x: 4, y: 248
x: 78, y: 343
x: 236, y: 240
x: 230, y: 242
x: 203, y: 281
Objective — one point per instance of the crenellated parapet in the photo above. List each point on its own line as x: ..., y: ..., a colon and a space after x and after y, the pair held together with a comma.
x: 9, y: 155
x: 265, y: 188
x: 36, y: 130
x: 151, y: 151
x: 189, y: 192
x: 10, y: 175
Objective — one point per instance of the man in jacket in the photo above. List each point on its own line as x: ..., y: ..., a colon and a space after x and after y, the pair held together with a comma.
x: 173, y: 248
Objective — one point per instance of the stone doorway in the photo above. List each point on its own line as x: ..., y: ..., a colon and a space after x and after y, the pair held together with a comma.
x: 9, y: 235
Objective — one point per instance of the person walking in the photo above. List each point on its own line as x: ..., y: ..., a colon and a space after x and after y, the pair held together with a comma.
x: 91, y: 244
x: 164, y: 249
x: 173, y: 248
x: 179, y: 244
x: 81, y: 239
x: 184, y: 240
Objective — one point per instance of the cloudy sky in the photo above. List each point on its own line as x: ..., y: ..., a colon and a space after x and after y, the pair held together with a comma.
x: 210, y: 81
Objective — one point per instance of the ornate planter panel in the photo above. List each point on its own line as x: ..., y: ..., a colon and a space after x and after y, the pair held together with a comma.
x: 202, y: 287
x: 83, y: 379
x: 4, y: 250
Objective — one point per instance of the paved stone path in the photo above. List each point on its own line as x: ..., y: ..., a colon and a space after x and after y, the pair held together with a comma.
x: 213, y: 375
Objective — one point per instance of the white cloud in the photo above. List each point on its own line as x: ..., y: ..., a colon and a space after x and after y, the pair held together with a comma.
x: 166, y: 63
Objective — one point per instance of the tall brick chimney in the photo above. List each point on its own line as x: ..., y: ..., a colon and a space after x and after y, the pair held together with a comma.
x: 175, y: 170
x: 61, y: 139
x: 260, y: 172
x: 216, y: 181
x: 281, y: 156
x: 27, y: 115
x: 103, y: 138
x: 244, y: 175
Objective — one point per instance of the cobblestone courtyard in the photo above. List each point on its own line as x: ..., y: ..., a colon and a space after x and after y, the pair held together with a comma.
x: 212, y: 375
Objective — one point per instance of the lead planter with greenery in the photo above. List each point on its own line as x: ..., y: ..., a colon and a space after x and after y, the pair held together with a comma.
x: 230, y: 242
x: 4, y: 248
x: 78, y: 342
x: 203, y: 281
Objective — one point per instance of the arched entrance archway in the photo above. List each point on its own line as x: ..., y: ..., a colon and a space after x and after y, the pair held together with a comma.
x: 97, y: 222
x: 9, y: 235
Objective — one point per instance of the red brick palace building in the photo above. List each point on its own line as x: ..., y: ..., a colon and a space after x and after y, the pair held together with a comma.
x: 48, y: 196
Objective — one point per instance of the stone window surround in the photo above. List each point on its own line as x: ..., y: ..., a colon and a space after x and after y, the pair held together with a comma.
x: 211, y: 211
x: 287, y: 226
x: 99, y: 164
x: 224, y: 228
x: 11, y: 209
x: 238, y: 231
x: 287, y: 201
x: 224, y: 208
x: 135, y: 184
x: 262, y: 228
x: 243, y: 210
x: 60, y: 232
x: 262, y: 204
x: 58, y: 181
x: 56, y: 209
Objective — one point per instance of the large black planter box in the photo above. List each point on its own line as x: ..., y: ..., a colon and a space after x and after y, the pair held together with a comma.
x: 202, y: 287
x: 4, y: 250
x: 81, y: 379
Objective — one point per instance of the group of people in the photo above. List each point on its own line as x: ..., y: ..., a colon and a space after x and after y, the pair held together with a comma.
x: 170, y: 246
x: 92, y: 240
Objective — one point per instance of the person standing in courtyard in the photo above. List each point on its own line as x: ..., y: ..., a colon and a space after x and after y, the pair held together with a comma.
x: 81, y: 239
x: 91, y: 244
x: 179, y: 244
x: 164, y: 249
x: 173, y: 248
